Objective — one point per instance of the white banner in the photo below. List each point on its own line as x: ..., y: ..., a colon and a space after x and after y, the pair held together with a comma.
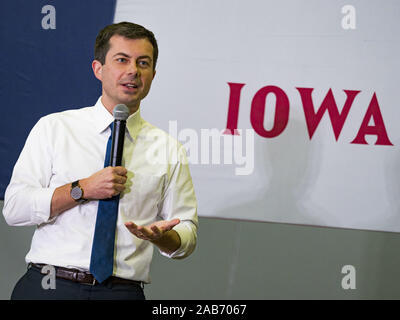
x: 309, y: 89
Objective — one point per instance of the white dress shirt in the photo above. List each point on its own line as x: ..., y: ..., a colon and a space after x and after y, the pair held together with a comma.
x: 66, y: 146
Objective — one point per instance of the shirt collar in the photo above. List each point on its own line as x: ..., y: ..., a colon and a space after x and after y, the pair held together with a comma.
x: 134, y: 124
x: 103, y: 119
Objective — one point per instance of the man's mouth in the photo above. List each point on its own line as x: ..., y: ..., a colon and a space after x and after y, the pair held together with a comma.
x: 130, y: 85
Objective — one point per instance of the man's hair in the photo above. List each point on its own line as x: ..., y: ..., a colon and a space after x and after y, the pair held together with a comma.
x: 126, y: 29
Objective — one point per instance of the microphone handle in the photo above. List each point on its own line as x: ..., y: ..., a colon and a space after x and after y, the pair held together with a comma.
x: 117, y: 145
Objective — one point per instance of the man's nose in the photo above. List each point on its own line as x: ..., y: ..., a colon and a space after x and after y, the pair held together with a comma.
x: 133, y: 70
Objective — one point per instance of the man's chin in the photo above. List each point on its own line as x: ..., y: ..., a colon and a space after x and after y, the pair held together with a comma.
x: 132, y: 104
x: 129, y: 101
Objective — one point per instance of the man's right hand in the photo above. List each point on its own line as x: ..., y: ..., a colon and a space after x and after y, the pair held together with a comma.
x: 105, y: 183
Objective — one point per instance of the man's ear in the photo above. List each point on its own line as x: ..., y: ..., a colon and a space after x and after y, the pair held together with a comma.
x: 154, y: 74
x: 97, y: 68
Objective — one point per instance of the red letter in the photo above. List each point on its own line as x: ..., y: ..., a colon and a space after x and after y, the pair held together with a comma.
x: 233, y: 109
x: 258, y: 110
x: 337, y: 119
x: 378, y: 129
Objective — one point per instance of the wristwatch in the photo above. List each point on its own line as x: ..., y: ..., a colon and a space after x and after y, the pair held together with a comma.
x: 77, y: 192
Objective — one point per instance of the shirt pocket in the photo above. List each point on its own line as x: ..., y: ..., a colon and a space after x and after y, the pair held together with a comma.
x: 142, y: 195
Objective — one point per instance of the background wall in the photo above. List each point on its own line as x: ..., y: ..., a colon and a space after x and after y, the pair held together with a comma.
x: 298, y: 44
x: 298, y: 176
x: 248, y: 260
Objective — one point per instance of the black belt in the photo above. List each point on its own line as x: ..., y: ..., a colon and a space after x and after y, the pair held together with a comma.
x: 79, y: 276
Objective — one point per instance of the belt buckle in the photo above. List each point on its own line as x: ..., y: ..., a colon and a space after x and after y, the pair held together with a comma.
x: 94, y: 281
x: 75, y: 276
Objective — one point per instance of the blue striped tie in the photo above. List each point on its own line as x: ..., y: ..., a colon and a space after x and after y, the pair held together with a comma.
x: 102, y: 258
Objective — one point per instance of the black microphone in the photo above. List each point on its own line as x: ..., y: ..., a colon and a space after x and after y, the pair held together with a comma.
x: 121, y: 113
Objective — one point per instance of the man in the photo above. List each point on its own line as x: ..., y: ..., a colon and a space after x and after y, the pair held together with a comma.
x: 61, y: 181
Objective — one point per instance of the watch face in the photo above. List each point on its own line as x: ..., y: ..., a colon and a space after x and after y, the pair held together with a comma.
x: 76, y: 193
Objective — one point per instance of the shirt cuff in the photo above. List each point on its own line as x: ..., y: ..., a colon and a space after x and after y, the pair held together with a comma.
x: 187, y: 242
x: 41, y: 205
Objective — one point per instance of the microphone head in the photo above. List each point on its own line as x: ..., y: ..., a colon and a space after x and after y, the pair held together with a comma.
x: 121, y: 112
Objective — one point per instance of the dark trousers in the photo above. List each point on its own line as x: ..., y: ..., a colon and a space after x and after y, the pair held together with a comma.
x: 30, y: 287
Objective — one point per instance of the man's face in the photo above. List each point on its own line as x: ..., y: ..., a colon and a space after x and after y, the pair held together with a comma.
x: 127, y: 73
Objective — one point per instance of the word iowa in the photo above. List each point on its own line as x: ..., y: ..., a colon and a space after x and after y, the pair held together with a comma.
x: 312, y: 116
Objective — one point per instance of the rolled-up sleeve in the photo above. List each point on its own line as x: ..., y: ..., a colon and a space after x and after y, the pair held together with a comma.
x: 27, y: 199
x: 180, y: 202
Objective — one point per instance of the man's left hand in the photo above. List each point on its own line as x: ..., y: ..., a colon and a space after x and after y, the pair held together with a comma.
x: 153, y: 231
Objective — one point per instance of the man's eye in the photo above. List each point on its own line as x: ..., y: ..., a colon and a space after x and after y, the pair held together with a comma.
x: 121, y: 59
x: 143, y: 63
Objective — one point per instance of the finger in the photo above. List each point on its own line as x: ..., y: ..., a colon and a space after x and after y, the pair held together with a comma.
x: 131, y: 226
x: 118, y: 188
x: 134, y: 229
x: 123, y: 179
x: 118, y: 179
x: 172, y: 223
x: 121, y: 171
x: 146, y: 232
x: 141, y: 235
x: 157, y: 231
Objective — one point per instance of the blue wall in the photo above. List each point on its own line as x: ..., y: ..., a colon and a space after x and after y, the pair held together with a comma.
x: 44, y: 70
